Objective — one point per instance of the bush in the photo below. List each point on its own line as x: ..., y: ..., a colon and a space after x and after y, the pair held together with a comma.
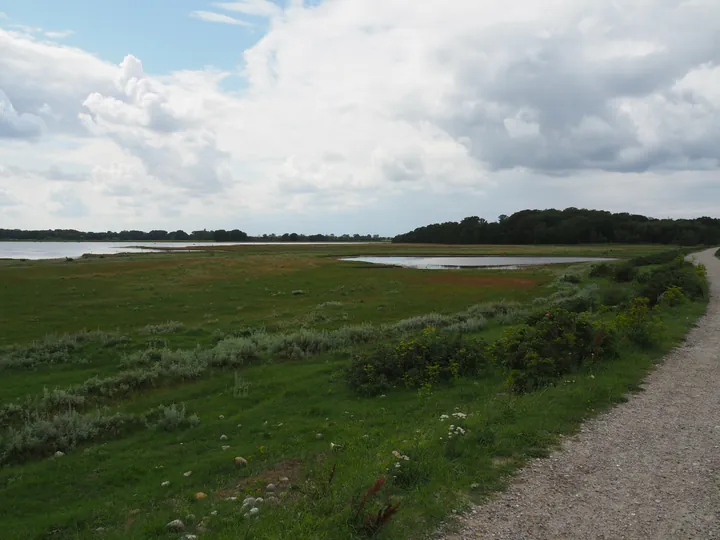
x: 674, y: 296
x: 419, y: 362
x: 664, y: 257
x: 602, y: 270
x: 615, y: 295
x: 624, y: 273
x: 683, y: 275
x: 550, y: 345
x: 235, y: 351
x: 571, y: 278
x: 638, y: 325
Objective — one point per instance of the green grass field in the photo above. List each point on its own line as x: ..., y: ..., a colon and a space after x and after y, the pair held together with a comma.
x: 290, y: 416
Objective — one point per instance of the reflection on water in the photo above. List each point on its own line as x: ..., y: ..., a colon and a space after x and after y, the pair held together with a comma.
x: 472, y: 262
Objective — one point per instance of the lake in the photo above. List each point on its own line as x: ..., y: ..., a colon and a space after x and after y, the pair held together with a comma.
x: 428, y: 263
x: 60, y: 250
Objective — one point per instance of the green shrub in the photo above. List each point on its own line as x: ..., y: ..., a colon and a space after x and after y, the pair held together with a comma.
x: 418, y: 362
x: 674, y: 296
x: 639, y: 325
x: 571, y: 278
x: 550, y: 345
x: 683, y: 275
x: 615, y: 295
x: 235, y: 351
x: 660, y: 258
x: 602, y: 270
x: 624, y: 273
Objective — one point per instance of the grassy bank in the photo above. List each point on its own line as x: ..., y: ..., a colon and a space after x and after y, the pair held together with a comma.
x: 236, y: 358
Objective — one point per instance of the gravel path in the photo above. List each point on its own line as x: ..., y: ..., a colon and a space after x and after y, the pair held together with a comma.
x: 649, y: 468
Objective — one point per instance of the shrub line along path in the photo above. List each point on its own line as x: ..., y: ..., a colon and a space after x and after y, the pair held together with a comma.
x: 649, y: 468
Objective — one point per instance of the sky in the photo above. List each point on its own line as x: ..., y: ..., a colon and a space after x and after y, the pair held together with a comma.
x: 357, y: 116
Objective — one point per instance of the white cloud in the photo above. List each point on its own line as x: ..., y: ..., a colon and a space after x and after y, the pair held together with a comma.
x: 210, y: 16
x: 260, y: 8
x: 17, y: 125
x: 383, y: 115
x: 59, y: 34
x: 3, y: 15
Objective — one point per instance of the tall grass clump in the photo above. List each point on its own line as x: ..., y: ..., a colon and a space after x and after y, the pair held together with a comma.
x: 170, y: 418
x: 56, y: 349
x: 413, y: 324
x: 62, y: 432
x: 467, y: 326
x: 493, y: 309
x: 163, y: 328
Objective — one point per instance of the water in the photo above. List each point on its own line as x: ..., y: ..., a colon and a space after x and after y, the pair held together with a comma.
x: 60, y: 250
x: 472, y: 262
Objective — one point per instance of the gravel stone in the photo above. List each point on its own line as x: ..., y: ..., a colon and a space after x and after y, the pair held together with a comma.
x: 645, y: 469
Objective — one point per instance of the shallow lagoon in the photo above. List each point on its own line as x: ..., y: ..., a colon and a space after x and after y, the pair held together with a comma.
x: 472, y: 262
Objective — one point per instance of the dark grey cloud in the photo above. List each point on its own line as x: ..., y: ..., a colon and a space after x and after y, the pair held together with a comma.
x: 584, y: 92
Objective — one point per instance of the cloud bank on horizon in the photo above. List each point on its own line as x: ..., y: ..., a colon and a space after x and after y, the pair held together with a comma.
x: 370, y: 116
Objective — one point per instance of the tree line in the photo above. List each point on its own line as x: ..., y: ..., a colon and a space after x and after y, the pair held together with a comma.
x: 219, y: 235
x: 569, y: 226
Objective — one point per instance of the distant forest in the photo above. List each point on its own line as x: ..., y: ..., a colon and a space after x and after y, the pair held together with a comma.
x: 220, y: 235
x: 569, y: 226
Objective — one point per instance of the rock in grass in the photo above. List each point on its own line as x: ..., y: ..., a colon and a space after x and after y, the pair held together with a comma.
x: 199, y: 496
x: 189, y: 537
x: 318, y: 436
x: 188, y: 473
x: 241, y: 461
x: 284, y: 480
x: 166, y: 483
x: 175, y: 526
x: 225, y: 447
x: 223, y: 437
x: 271, y: 487
x: 59, y: 454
